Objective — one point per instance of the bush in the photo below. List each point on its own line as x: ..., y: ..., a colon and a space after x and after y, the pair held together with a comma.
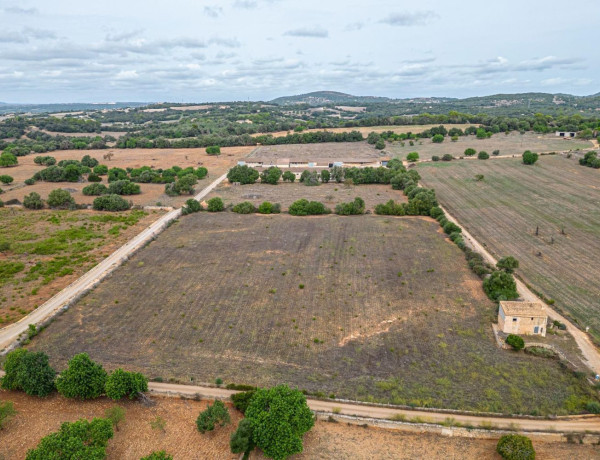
x: 470, y: 152
x: 496, y: 153
x: 437, y: 139
x: 242, y: 439
x: 325, y: 176
x: 244, y: 208
x: 78, y: 440
x: 515, y: 341
x: 500, y: 286
x: 33, y: 201
x: 214, y: 415
x: 353, y: 208
x: 94, y: 178
x: 412, y: 156
x: 279, y: 417
x: 30, y: 181
x: 593, y: 407
x: 213, y: 150
x: 29, y: 372
x: 116, y: 415
x: 310, y: 178
x: 215, y: 205
x: 435, y: 158
x: 1, y: 204
x: 289, y: 176
x: 529, y: 157
x: 111, y: 203
x: 60, y: 198
x: 95, y: 189
x: 447, y: 157
x: 101, y: 170
x: 508, y: 264
x: 305, y: 208
x: 184, y: 184
x: 591, y: 160
x: 115, y: 174
x: 436, y: 212
x: 241, y: 400
x: 89, y: 161
x: 6, y: 179
x: 7, y: 411
x: 201, y: 172
x: 390, y: 208
x: 44, y: 160
x: 483, y: 155
x: 242, y: 174
x: 451, y: 227
x: 269, y: 208
x: 124, y: 187
x: 271, y: 175
x: 380, y: 144
x: 191, y: 206
x: 160, y: 455
x: 479, y: 177
x: 122, y: 384
x: 83, y: 378
x: 515, y: 447
x: 8, y: 159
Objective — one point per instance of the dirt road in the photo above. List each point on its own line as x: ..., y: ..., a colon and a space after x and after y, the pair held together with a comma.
x: 588, y: 349
x: 561, y: 424
x: 10, y: 334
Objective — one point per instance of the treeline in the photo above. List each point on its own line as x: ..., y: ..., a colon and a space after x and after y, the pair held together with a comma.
x: 66, y: 124
x: 39, y: 142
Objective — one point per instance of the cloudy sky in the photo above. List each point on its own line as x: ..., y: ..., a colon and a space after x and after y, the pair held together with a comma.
x: 193, y: 51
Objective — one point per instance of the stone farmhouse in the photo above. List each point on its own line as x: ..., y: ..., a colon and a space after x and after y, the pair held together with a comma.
x: 522, y: 318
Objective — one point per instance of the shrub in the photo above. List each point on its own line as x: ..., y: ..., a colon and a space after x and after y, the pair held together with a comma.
x: 51, y: 174
x: 94, y: 178
x: 447, y: 157
x: 289, y: 176
x: 116, y: 415
x: 412, y: 156
x: 213, y: 150
x: 6, y: 179
x: 496, y: 153
x: 436, y: 212
x: 380, y: 144
x: 390, y: 208
x: 201, y: 172
x: 591, y: 160
x: 241, y: 400
x: 451, y: 227
x: 244, y: 208
x: 470, y: 152
x: 7, y: 411
x: 303, y: 207
x: 355, y: 207
x: 454, y: 138
x: 310, y: 178
x: 111, y: 203
x: 483, y: 155
x: 33, y: 201
x: 8, y: 159
x: 242, y: 439
x: 214, y: 415
x: 30, y: 181
x: 89, y: 161
x: 279, y: 417
x: 242, y: 174
x: 191, y: 206
x: 515, y: 447
x: 515, y: 341
x: 337, y: 174
x: 500, y: 286
x: 269, y: 208
x: 44, y: 160
x: 60, y: 198
x: 593, y: 407
x: 120, y: 384
x: 115, y: 174
x: 78, y: 440
x: 215, y: 205
x: 1, y: 204
x: 435, y: 158
x: 101, y: 170
x: 83, y: 378
x: 95, y: 189
x: 508, y: 264
x: 325, y: 176
x: 160, y: 455
x: 271, y: 175
x: 29, y: 372
x: 184, y: 184
x: 437, y: 139
x: 529, y: 157
x: 124, y: 187
x: 479, y: 177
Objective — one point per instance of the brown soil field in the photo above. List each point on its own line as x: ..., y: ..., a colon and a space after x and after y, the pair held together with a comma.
x: 51, y: 249
x: 124, y: 158
x: 365, y: 130
x: 38, y: 417
x: 328, y: 150
x: 511, y: 144
x: 504, y: 210
x: 369, y: 308
x: 285, y: 194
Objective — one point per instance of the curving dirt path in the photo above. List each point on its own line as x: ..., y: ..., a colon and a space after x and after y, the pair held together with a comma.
x: 9, y: 335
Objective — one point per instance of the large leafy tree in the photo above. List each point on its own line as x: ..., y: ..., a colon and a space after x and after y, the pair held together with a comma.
x: 242, y: 174
x: 500, y: 285
x: 121, y: 384
x: 280, y: 416
x: 78, y: 440
x: 29, y: 372
x: 83, y: 379
x: 271, y: 175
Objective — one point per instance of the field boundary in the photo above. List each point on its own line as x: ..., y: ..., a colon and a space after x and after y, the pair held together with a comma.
x: 14, y: 334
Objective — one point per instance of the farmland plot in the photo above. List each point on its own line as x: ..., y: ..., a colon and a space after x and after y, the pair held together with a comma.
x: 371, y: 308
x: 504, y: 210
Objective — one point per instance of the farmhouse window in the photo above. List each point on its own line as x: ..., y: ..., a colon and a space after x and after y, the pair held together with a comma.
x: 514, y: 319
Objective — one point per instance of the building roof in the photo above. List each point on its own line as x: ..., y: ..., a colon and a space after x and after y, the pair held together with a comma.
x: 523, y: 308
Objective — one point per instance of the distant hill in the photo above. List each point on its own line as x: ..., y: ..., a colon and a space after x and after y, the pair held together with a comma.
x: 67, y: 107
x: 327, y: 97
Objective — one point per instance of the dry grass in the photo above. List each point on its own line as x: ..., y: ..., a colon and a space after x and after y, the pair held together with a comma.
x: 371, y: 308
x: 504, y: 209
x: 332, y: 151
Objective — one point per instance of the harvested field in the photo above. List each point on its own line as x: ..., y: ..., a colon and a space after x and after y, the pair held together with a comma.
x: 504, y: 210
x: 365, y: 130
x: 511, y: 144
x: 38, y: 417
x: 371, y: 308
x: 124, y: 158
x: 285, y: 193
x: 330, y: 151
x: 50, y: 249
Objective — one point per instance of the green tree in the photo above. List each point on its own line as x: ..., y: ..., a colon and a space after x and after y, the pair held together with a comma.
x: 95, y: 189
x: 352, y: 208
x: 213, y: 150
x: 242, y: 439
x: 215, y: 205
x: 242, y: 400
x: 83, y: 379
x: 529, y: 157
x: 412, y: 156
x: 116, y: 415
x: 78, y: 440
x: 121, y: 384
x: 337, y: 174
x: 192, y: 205
x: 289, y: 176
x: 89, y: 161
x: 269, y: 208
x: 483, y: 155
x: 244, y: 207
x: 508, y: 264
x: 279, y: 417
x: 160, y: 455
x: 72, y: 173
x: 470, y: 152
x: 8, y: 159
x: 6, y: 179
x: 380, y: 144
x: 123, y: 187
x: 7, y: 411
x: 271, y: 175
x: 60, y: 198
x: 29, y: 372
x: 325, y: 176
x: 242, y: 174
x: 500, y: 286
x: 437, y: 139
x: 515, y: 447
x: 515, y: 341
x: 481, y: 134
x: 214, y: 415
x: 33, y: 201
x: 101, y: 170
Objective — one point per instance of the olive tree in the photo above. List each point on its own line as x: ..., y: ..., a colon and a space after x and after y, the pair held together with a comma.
x: 83, y: 378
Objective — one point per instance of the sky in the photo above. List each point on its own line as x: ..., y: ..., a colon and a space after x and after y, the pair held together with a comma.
x: 228, y: 50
